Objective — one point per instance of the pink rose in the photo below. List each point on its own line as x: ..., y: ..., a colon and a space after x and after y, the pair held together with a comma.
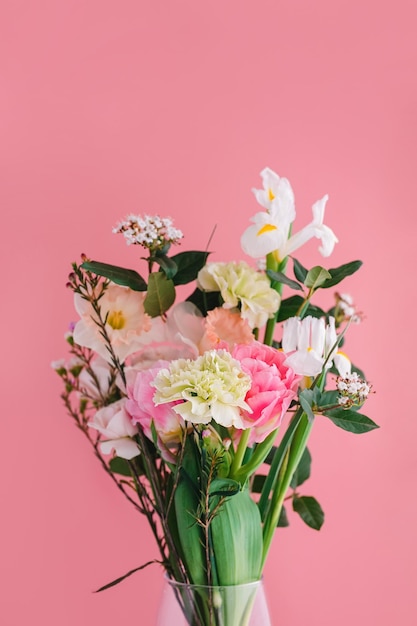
x: 169, y: 425
x: 274, y: 386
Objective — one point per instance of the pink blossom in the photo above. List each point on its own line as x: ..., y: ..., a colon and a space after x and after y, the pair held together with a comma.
x: 169, y: 425
x: 274, y: 386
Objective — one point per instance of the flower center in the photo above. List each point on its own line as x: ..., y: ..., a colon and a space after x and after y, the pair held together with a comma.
x: 116, y: 320
x: 266, y: 229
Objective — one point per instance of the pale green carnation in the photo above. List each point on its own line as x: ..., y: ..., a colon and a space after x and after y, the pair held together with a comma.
x: 240, y: 285
x: 213, y: 386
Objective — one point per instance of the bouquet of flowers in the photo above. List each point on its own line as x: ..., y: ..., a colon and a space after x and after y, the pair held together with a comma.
x: 200, y: 410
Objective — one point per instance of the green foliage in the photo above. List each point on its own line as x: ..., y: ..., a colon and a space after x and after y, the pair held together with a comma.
x: 118, y: 275
x: 300, y: 272
x: 292, y: 305
x: 188, y: 265
x: 351, y: 420
x: 120, y: 466
x: 341, y: 272
x: 281, y: 278
x: 237, y: 524
x: 160, y: 295
x: 316, y: 277
x: 302, y: 473
x: 205, y: 301
x: 309, y: 510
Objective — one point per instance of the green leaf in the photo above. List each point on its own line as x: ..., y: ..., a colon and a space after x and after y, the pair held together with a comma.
x: 186, y: 503
x: 189, y: 264
x: 160, y: 296
x: 205, y: 301
x: 316, y: 277
x: 257, y: 483
x: 224, y: 487
x: 351, y: 420
x: 237, y: 523
x: 270, y: 456
x: 167, y: 265
x: 341, y: 272
x: 280, y: 277
x: 118, y: 275
x: 309, y: 510
x: 120, y: 466
x: 302, y: 473
x: 283, y: 519
x: 290, y: 307
x: 300, y: 272
x: 306, y: 400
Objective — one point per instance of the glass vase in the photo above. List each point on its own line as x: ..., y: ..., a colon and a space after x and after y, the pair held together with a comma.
x: 199, y: 605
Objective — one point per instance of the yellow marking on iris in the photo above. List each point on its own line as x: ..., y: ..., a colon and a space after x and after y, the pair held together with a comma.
x: 116, y: 320
x: 266, y: 229
x: 271, y: 195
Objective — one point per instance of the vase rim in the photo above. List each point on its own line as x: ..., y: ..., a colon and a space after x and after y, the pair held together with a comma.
x: 176, y: 583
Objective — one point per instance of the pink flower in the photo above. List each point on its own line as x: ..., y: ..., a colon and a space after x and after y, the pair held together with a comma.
x: 273, y: 387
x: 224, y: 329
x: 113, y: 423
x: 169, y: 425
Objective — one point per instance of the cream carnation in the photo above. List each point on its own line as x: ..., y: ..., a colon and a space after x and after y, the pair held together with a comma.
x: 241, y: 286
x: 213, y: 386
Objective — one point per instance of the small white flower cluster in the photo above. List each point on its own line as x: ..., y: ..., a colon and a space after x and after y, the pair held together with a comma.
x: 347, y: 306
x: 150, y: 231
x: 353, y: 390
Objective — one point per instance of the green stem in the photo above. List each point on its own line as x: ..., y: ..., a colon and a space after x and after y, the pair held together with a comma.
x: 296, y: 450
x: 240, y: 452
x: 276, y: 266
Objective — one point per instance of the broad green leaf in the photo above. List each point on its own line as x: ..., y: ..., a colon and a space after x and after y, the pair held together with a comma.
x: 302, y: 473
x: 119, y: 275
x: 300, y: 272
x: 167, y: 265
x: 160, y: 296
x: 309, y: 510
x: 290, y: 307
x: 189, y: 264
x: 351, y: 420
x: 306, y: 401
x: 186, y: 503
x: 283, y: 519
x: 237, y: 523
x: 205, y: 301
x: 339, y: 273
x: 280, y: 277
x: 224, y: 487
x: 120, y: 466
x: 316, y: 277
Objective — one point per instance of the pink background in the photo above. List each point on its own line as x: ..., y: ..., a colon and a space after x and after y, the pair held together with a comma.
x: 174, y: 107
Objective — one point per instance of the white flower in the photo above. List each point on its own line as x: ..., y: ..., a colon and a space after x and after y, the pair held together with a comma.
x: 315, y: 229
x: 213, y: 386
x: 310, y: 343
x: 114, y: 423
x: 96, y: 384
x: 152, y: 232
x: 241, y: 285
x: 271, y: 229
x: 126, y: 320
x: 353, y: 389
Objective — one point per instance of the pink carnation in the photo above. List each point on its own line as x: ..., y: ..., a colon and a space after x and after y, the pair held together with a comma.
x: 140, y: 406
x: 274, y: 386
